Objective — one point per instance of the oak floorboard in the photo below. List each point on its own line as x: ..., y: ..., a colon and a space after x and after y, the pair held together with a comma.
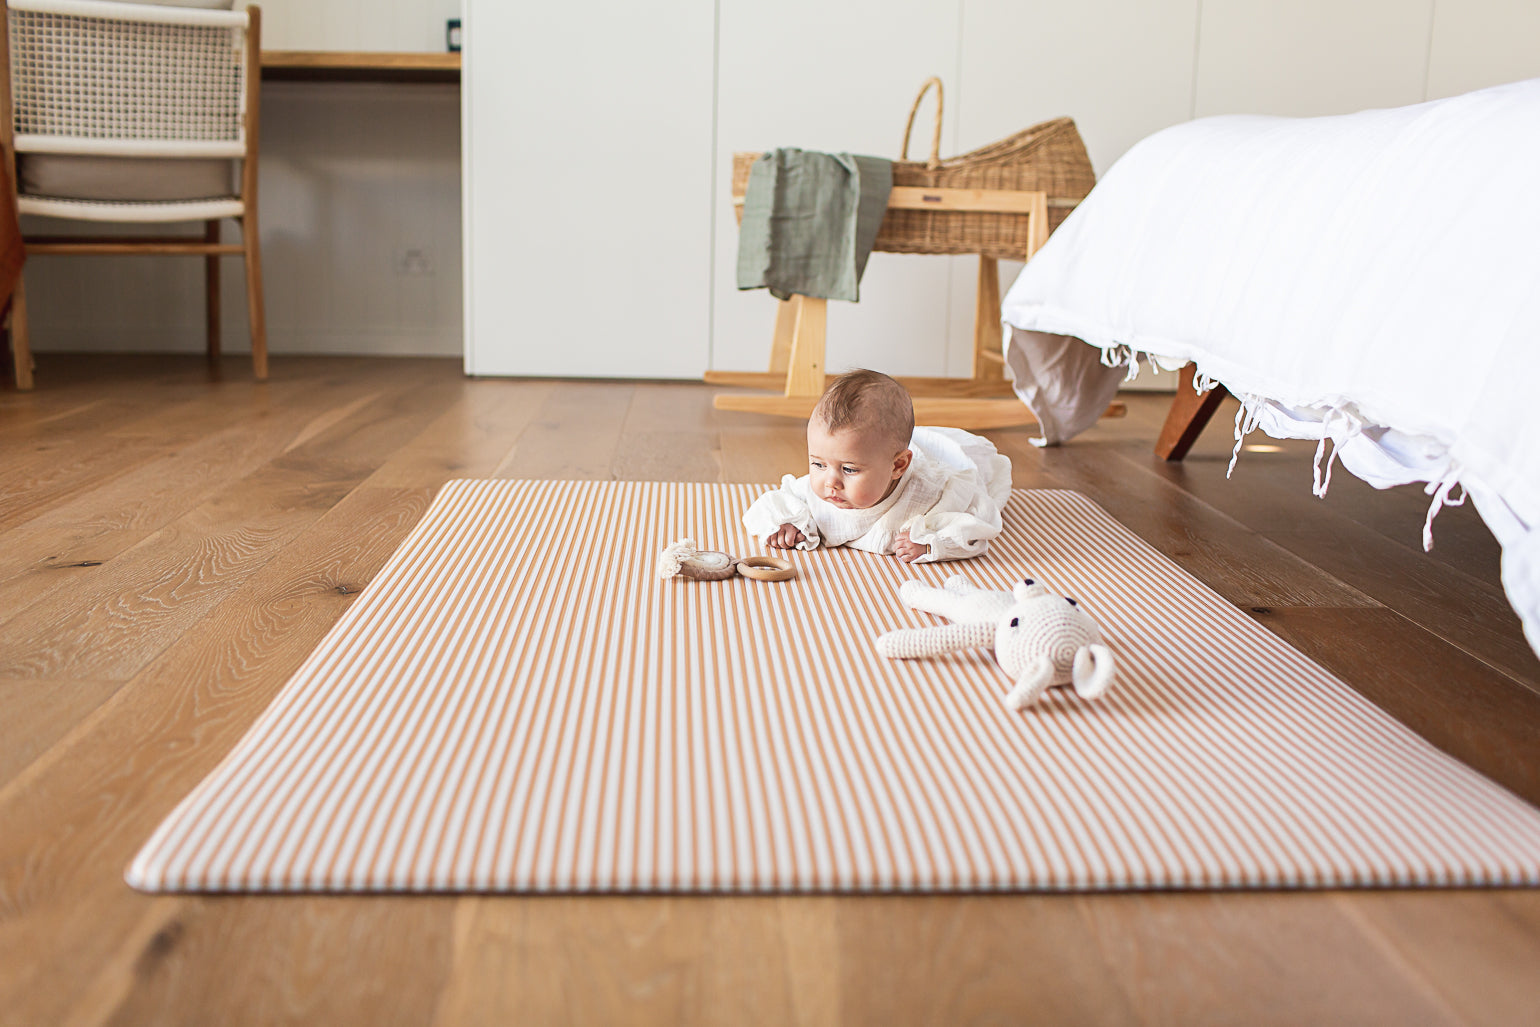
x: 974, y: 959
x: 636, y: 960
x: 1474, y: 950
x: 1252, y: 958
x: 763, y: 455
x: 266, y: 961
x: 574, y: 436
x: 1473, y: 617
x: 470, y: 439
x: 53, y: 471
x: 39, y: 712
x: 1475, y: 713
x: 48, y: 552
x: 32, y: 422
x: 118, y: 615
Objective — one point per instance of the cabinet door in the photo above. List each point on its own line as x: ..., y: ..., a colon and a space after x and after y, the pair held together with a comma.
x: 587, y: 157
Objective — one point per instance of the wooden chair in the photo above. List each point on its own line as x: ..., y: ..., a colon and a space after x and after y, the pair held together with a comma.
x: 88, y: 90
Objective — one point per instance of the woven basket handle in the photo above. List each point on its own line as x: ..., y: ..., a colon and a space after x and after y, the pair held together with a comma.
x: 935, y: 139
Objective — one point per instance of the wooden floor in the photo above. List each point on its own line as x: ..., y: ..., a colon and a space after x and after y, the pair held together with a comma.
x: 172, y: 545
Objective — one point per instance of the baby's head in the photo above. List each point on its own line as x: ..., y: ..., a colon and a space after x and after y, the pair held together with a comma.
x: 858, y: 440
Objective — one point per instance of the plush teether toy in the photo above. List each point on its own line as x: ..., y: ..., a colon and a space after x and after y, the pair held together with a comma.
x: 683, y: 559
x: 1040, y: 639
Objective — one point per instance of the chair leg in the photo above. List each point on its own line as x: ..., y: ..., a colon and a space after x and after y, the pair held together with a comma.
x: 211, y: 291
x: 254, y: 304
x: 21, y: 349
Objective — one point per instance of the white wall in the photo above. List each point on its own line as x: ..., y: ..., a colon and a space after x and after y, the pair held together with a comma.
x: 356, y: 177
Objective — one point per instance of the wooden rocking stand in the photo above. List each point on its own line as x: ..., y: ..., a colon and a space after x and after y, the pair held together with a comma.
x: 796, y: 371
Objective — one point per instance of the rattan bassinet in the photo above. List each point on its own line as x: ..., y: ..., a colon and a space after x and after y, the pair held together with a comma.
x: 1048, y: 157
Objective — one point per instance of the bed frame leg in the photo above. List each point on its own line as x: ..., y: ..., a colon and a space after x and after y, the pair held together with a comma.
x: 1190, y: 413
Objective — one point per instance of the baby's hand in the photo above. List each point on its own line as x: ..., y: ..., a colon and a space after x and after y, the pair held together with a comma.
x: 907, y: 550
x: 786, y: 538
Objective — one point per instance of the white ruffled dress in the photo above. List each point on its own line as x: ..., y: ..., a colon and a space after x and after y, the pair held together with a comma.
x: 949, y: 499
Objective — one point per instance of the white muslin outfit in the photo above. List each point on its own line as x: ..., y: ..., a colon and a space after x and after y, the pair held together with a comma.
x: 949, y: 499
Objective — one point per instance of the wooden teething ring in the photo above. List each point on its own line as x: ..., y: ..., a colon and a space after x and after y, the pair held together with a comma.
x: 766, y: 568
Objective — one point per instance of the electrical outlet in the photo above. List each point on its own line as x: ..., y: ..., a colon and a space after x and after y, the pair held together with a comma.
x: 414, y: 261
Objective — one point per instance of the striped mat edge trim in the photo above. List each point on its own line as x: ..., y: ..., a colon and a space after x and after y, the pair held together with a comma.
x: 511, y: 708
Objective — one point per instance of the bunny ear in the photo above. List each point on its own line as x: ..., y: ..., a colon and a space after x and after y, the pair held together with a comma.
x: 911, y: 643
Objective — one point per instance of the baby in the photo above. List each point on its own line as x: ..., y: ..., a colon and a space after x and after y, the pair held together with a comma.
x: 878, y: 483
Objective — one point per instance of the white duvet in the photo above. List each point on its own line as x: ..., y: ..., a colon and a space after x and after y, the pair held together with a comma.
x: 1373, y: 278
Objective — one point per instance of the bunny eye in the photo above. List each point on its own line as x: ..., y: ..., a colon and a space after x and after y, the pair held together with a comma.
x: 1070, y: 601
x: 1015, y: 621
x: 1028, y: 581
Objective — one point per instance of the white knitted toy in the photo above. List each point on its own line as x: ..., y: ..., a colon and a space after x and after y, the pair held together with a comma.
x: 1040, y: 639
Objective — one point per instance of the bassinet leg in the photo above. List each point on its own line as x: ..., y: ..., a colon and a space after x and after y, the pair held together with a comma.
x: 804, y: 375
x: 804, y: 381
x: 988, y: 348
x: 780, y: 343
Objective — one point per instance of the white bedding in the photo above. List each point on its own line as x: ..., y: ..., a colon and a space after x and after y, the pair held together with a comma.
x: 1373, y: 278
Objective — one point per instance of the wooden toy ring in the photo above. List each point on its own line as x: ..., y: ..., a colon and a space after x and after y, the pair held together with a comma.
x: 766, y: 568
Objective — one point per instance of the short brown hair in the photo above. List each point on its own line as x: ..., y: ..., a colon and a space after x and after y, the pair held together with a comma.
x: 869, y: 401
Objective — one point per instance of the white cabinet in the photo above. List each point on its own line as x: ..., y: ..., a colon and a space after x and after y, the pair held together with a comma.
x: 600, y: 234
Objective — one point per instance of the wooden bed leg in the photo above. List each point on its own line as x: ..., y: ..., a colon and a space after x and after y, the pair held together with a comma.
x: 1190, y: 412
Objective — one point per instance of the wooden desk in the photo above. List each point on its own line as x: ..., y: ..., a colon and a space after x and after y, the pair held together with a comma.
x: 347, y: 66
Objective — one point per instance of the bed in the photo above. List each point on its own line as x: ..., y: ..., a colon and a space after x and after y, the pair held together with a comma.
x: 1369, y: 280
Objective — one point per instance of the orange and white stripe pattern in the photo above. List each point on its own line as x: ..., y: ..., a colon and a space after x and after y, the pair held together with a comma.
x: 502, y: 711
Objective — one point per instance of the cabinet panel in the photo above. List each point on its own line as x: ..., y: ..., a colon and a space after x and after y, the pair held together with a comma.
x: 588, y: 172
x: 1311, y: 57
x: 1480, y: 43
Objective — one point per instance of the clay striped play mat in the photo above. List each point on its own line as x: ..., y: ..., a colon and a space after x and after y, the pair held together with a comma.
x: 517, y: 703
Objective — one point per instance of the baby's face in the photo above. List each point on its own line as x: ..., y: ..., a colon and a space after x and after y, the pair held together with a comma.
x: 852, y: 469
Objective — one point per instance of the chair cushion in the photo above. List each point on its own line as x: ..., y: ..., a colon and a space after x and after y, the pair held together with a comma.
x: 123, y: 178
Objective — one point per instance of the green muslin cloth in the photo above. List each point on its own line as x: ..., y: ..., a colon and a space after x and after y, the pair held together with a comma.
x: 809, y: 222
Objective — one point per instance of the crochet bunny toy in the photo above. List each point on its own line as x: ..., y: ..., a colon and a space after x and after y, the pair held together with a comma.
x: 1040, y: 639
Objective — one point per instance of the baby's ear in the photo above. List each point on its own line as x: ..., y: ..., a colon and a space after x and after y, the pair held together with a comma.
x: 901, y: 462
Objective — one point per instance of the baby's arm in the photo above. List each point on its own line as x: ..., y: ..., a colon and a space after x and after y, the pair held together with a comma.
x: 781, y: 518
x: 959, y: 525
